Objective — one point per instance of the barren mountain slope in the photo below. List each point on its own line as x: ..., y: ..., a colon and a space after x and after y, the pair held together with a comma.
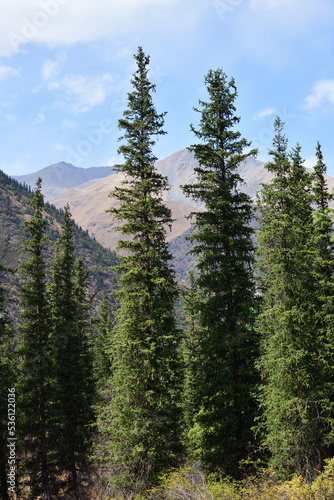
x: 89, y: 202
x: 179, y: 168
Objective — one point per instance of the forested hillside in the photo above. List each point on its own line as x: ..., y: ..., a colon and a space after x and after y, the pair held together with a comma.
x: 15, y: 210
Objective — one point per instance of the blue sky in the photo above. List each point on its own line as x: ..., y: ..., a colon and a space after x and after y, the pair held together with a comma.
x: 65, y: 68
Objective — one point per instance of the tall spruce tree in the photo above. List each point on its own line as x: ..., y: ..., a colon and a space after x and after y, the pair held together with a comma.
x: 223, y: 243
x: 34, y: 349
x: 145, y: 434
x: 8, y: 381
x: 290, y: 362
x: 72, y: 358
x: 324, y: 299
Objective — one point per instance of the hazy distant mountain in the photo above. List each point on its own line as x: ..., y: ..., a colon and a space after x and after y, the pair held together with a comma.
x: 61, y: 176
x: 179, y: 168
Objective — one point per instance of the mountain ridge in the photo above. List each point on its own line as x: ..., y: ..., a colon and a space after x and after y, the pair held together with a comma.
x: 90, y: 199
x: 61, y: 176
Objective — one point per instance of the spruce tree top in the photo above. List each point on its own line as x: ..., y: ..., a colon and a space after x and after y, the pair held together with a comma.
x: 142, y: 211
x: 219, y: 153
x: 140, y: 122
x: 222, y: 148
x: 321, y: 195
x: 35, y: 228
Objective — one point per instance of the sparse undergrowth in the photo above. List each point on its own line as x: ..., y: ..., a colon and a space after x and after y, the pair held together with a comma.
x: 192, y: 484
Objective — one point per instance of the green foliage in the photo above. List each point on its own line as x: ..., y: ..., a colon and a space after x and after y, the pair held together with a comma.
x: 11, y: 221
x: 103, y: 345
x: 292, y: 319
x: 285, y: 323
x: 8, y: 381
x: 323, y: 271
x: 138, y: 358
x: 144, y: 429
x: 227, y: 342
x: 189, y: 348
x: 14, y: 213
x: 34, y: 349
x: 72, y: 369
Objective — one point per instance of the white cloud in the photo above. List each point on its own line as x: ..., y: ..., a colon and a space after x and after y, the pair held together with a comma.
x: 310, y: 162
x: 7, y: 71
x: 52, y: 68
x: 54, y: 85
x: 70, y: 21
x: 264, y: 113
x: 322, y: 95
x: 88, y: 91
x: 83, y: 91
x: 40, y: 118
x: 68, y: 124
x: 49, y: 69
x: 8, y: 117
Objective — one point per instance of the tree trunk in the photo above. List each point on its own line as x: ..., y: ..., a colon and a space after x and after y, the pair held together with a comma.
x: 71, y: 448
x: 45, y: 476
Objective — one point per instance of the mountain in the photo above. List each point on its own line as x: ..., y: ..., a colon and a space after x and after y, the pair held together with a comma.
x: 61, y: 176
x: 90, y: 199
x: 179, y: 168
x: 89, y: 202
x: 14, y: 211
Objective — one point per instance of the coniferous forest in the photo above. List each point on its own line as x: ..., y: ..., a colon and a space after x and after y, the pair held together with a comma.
x: 228, y: 396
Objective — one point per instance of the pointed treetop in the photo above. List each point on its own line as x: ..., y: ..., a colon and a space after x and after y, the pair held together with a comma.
x: 140, y: 122
x: 280, y: 164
